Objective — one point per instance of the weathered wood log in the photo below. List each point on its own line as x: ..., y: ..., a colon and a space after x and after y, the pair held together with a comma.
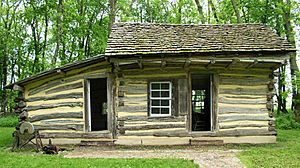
x: 271, y: 128
x: 132, y: 109
x: 56, y: 115
x: 269, y: 105
x: 65, y: 87
x: 252, y: 64
x: 231, y: 133
x: 140, y: 63
x: 134, y: 99
x: 242, y: 91
x: 155, y: 133
x: 163, y: 63
x: 22, y: 104
x: 121, y: 123
x: 49, y: 84
x: 158, y: 126
x: 243, y: 81
x: 58, y: 121
x: 236, y: 117
x: 271, y: 86
x: 49, y: 106
x: 223, y: 99
x: 151, y: 73
x: 18, y: 88
x: 75, y: 127
x: 74, y: 95
x: 270, y: 95
x: 270, y: 112
x: 210, y: 64
x: 187, y: 63
x: 183, y: 103
x: 153, y: 119
x: 272, y: 123
x: 221, y: 126
x: 134, y: 89
x: 233, y: 96
x: 121, y: 93
x: 245, y: 132
x: 242, y: 110
x: 234, y: 61
x: 75, y: 135
x: 43, y: 87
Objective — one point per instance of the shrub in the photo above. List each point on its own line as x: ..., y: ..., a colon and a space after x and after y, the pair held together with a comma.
x: 287, y: 121
x: 8, y: 121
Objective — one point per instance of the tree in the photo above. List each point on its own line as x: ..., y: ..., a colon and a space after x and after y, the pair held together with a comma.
x: 236, y: 10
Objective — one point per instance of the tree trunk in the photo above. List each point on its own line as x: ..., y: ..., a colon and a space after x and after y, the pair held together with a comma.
x: 179, y: 12
x: 214, y: 11
x: 236, y: 10
x: 200, y: 10
x: 59, y: 31
x: 112, y: 14
x: 293, y: 60
x: 45, y: 36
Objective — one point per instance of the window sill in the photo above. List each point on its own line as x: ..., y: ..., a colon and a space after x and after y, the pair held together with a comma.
x: 149, y: 117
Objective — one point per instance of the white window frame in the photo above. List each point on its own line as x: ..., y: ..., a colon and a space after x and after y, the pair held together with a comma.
x: 161, y: 98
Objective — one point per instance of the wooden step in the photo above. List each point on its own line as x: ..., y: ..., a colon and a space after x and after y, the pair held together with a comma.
x: 196, y: 142
x: 97, y: 143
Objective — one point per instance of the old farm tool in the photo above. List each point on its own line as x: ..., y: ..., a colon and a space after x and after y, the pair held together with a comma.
x: 26, y: 134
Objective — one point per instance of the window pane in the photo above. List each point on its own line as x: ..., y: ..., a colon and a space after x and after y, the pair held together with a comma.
x: 164, y: 110
x: 155, y: 86
x: 155, y: 93
x: 155, y: 110
x: 155, y: 103
x: 165, y: 94
x: 165, y: 86
x: 165, y: 102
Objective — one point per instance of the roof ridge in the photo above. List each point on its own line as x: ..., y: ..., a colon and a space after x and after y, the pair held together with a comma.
x: 185, y: 24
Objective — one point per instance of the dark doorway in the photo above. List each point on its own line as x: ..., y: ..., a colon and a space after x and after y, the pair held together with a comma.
x: 201, y: 102
x: 98, y: 104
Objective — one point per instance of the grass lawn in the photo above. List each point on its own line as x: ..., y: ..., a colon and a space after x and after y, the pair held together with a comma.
x: 286, y: 153
x: 32, y: 159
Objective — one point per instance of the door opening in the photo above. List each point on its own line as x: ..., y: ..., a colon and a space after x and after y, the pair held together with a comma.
x: 98, y: 104
x: 201, y: 103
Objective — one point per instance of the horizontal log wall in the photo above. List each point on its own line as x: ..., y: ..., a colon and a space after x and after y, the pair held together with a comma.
x: 132, y: 102
x: 243, y: 104
x: 56, y: 105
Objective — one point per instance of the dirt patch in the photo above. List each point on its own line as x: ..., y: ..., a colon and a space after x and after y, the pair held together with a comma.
x: 204, y: 158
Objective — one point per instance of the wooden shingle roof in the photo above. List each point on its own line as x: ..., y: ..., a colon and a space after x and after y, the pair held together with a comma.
x: 145, y: 38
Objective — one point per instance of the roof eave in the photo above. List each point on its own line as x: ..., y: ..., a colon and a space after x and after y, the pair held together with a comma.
x: 66, y: 67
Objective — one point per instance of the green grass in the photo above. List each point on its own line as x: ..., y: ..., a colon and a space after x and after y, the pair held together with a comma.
x: 31, y: 159
x: 20, y: 160
x: 6, y: 136
x: 286, y: 153
x: 8, y: 121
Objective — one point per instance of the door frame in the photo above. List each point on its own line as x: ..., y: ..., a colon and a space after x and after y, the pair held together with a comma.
x: 213, y: 104
x: 87, y: 103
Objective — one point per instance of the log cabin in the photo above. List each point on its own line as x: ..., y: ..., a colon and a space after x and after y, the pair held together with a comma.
x: 163, y: 84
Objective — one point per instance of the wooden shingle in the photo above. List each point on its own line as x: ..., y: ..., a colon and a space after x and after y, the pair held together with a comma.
x: 147, y: 38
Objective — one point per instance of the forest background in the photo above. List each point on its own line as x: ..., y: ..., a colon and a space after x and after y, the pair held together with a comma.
x: 37, y: 35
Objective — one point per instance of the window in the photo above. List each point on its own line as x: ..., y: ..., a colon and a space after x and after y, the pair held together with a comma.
x: 160, y: 98
x: 198, y: 100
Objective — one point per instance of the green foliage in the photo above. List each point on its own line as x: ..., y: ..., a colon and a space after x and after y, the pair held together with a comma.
x: 286, y: 153
x: 286, y: 121
x: 6, y: 138
x: 8, y: 121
